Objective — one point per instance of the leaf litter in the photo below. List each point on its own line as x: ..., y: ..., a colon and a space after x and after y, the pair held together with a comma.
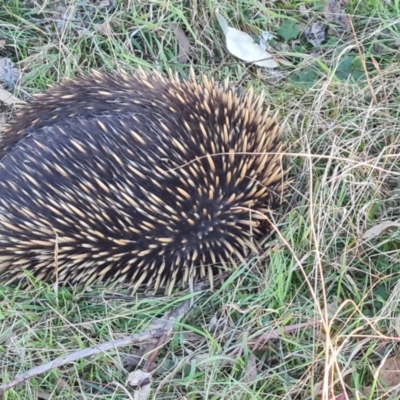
x: 334, y: 12
x: 241, y: 45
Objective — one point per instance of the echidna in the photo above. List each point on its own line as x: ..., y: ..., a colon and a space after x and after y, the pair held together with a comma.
x: 136, y: 178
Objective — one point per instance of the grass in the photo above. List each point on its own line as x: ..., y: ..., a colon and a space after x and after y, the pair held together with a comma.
x: 341, y: 107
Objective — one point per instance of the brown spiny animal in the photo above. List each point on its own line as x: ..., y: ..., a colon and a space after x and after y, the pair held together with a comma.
x: 136, y: 178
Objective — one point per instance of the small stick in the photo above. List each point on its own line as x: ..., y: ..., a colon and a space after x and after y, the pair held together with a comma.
x: 159, y: 327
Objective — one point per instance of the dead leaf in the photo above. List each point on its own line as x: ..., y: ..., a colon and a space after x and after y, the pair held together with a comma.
x: 242, y: 45
x: 315, y: 34
x: 184, y: 44
x: 251, y: 370
x: 8, y: 73
x: 334, y: 13
x: 389, y: 373
x: 104, y: 29
x: 379, y: 229
x: 140, y: 381
x: 8, y: 99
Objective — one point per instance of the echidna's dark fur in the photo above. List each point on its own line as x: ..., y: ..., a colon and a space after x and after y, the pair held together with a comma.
x: 141, y: 179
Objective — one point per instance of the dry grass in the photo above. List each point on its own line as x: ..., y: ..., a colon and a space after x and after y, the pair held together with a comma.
x: 324, y: 265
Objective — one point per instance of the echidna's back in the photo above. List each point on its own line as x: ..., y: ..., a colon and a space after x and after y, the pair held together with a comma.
x: 137, y: 179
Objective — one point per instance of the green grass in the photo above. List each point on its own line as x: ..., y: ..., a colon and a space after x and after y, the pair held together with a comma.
x: 342, y: 116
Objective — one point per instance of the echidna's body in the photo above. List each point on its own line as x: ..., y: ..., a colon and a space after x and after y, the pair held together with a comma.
x: 135, y: 178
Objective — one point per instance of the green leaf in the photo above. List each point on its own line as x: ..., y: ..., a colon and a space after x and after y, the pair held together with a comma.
x: 305, y: 78
x: 350, y: 67
x: 289, y: 30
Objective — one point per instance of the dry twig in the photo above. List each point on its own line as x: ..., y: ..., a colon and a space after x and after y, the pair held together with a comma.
x: 159, y: 328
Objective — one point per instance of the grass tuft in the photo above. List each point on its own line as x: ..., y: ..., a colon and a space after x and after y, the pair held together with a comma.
x: 323, y: 275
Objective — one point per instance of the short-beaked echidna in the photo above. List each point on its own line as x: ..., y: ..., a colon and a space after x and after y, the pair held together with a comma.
x: 136, y: 178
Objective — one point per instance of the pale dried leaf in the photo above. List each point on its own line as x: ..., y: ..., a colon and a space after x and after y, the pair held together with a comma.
x: 378, y: 229
x: 242, y: 45
x: 222, y: 23
x: 251, y: 370
x: 8, y: 73
x: 184, y: 44
x: 104, y: 29
x: 9, y: 99
x: 334, y: 13
x: 140, y: 381
x: 389, y: 373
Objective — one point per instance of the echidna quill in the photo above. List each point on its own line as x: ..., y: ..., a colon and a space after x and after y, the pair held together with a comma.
x: 137, y: 178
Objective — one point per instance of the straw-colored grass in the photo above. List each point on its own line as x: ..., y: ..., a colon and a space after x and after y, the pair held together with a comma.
x: 331, y: 269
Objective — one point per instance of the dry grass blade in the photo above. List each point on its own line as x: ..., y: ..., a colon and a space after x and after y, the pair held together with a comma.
x: 334, y: 257
x: 159, y: 328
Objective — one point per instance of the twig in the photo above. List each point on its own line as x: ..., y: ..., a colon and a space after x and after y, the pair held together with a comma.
x: 159, y: 328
